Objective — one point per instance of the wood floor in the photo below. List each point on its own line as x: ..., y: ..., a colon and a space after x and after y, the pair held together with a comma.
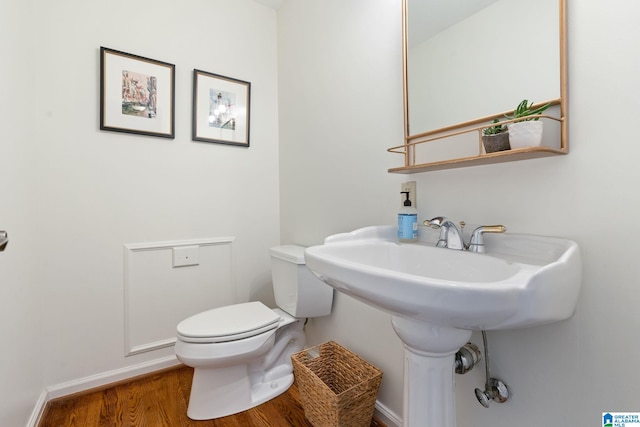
x: 160, y: 400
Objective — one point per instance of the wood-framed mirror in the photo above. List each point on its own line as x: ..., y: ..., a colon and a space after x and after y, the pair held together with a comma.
x: 468, y: 62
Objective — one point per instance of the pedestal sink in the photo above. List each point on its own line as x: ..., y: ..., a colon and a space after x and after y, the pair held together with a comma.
x: 438, y: 296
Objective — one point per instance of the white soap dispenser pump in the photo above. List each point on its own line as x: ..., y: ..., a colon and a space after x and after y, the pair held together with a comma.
x: 407, y: 221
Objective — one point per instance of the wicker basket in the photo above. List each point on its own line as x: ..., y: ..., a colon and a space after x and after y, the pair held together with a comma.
x: 337, y: 388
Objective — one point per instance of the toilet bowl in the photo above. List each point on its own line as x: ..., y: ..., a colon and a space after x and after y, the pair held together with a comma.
x: 241, y: 354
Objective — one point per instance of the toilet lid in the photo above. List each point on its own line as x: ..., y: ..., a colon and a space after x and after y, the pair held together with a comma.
x: 229, y: 323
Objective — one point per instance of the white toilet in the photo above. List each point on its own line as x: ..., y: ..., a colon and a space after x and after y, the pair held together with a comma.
x: 241, y: 354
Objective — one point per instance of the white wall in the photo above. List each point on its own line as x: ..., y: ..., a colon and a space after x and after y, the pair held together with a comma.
x: 94, y: 191
x: 333, y: 178
x: 101, y: 190
x: 340, y: 97
x: 19, y: 308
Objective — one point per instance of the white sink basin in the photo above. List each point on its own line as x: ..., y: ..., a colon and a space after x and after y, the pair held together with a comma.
x: 438, y: 296
x: 522, y: 280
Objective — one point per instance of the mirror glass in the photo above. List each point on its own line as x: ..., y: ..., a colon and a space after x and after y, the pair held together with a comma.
x: 468, y: 59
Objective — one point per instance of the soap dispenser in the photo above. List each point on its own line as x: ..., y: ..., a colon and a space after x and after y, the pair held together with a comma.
x: 407, y: 221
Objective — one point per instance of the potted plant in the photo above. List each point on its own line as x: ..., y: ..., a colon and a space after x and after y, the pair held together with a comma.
x: 526, y: 132
x: 495, y: 138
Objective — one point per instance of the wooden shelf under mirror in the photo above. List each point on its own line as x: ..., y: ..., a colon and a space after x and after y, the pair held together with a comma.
x: 413, y: 164
x: 484, y: 159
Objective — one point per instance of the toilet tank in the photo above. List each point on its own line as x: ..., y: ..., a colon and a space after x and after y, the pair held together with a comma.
x: 297, y: 290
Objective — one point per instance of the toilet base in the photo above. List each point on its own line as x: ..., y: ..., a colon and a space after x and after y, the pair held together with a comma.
x: 221, y: 391
x: 216, y: 394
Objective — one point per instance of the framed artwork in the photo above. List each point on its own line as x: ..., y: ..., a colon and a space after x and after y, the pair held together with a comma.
x: 221, y: 107
x: 136, y: 94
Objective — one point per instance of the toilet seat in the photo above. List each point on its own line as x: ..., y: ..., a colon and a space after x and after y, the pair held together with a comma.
x: 229, y: 323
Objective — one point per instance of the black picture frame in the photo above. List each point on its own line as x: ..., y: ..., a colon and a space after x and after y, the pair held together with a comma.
x: 137, y: 94
x: 221, y: 109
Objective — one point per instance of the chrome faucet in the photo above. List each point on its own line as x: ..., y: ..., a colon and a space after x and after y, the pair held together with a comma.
x: 451, y: 235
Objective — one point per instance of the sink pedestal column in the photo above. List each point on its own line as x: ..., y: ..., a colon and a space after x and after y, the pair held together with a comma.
x: 429, y: 393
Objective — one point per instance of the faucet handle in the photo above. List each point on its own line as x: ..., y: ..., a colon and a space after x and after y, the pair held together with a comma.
x: 439, y: 221
x: 477, y: 241
x: 433, y: 222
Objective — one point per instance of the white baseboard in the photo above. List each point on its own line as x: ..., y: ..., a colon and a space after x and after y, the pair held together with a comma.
x: 38, y: 409
x: 387, y: 416
x: 95, y: 381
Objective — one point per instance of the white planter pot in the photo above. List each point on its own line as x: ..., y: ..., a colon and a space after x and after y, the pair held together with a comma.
x: 525, y: 134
